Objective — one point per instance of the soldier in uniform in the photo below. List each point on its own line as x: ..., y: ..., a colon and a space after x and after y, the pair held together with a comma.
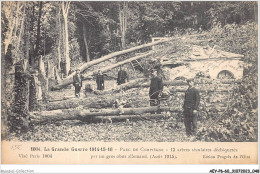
x: 191, y: 104
x: 77, y: 82
x: 122, y: 76
x: 156, y: 87
x: 100, y: 80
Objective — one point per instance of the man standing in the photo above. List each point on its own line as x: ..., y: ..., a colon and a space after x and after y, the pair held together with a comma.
x: 156, y: 87
x: 100, y: 80
x: 122, y: 76
x: 77, y: 82
x: 191, y: 104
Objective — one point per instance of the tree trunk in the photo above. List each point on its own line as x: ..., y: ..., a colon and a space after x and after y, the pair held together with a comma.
x: 33, y: 105
x: 21, y: 33
x: 123, y: 23
x: 90, y: 102
x: 21, y: 91
x: 124, y: 117
x: 108, y: 68
x: 42, y: 78
x: 74, y: 114
x: 69, y: 80
x: 31, y: 33
x: 59, y: 30
x: 85, y: 41
x: 27, y: 35
x: 38, y: 36
x: 9, y: 34
x: 65, y: 11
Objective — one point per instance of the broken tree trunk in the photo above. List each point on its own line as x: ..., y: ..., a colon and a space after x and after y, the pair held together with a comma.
x: 69, y: 79
x: 79, y: 114
x: 108, y: 68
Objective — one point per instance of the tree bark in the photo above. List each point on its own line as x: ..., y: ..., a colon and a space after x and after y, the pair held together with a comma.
x: 69, y: 80
x: 38, y: 36
x: 108, y: 68
x: 31, y: 34
x: 90, y: 102
x: 59, y: 31
x: 85, y: 41
x: 79, y: 114
x: 42, y: 78
x: 124, y: 117
x: 33, y: 105
x: 65, y: 10
x: 123, y: 23
x: 21, y: 91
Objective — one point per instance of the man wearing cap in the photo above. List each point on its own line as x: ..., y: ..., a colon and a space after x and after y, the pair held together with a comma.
x: 77, y: 82
x: 156, y: 87
x: 191, y: 104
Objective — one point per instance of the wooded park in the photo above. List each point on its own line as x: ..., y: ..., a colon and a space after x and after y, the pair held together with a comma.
x: 47, y: 45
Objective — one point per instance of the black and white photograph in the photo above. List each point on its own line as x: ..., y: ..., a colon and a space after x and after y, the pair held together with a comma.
x: 129, y: 71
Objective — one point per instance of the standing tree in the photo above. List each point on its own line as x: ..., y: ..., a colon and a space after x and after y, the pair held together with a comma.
x: 65, y: 10
x: 123, y: 22
x: 59, y: 39
x: 38, y: 36
x: 85, y: 41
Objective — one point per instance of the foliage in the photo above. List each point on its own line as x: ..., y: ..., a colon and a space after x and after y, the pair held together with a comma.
x: 239, y: 121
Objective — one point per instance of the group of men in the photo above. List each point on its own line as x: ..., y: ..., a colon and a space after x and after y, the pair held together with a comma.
x: 77, y: 80
x: 191, y: 99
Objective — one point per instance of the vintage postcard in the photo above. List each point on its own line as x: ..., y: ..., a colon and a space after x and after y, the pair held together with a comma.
x: 129, y: 82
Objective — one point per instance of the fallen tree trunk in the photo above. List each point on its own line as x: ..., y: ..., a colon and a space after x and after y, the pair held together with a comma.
x: 88, y: 102
x: 79, y: 114
x: 142, y: 84
x: 69, y: 79
x: 108, y: 68
x: 106, y: 102
x: 105, y: 69
x: 124, y: 117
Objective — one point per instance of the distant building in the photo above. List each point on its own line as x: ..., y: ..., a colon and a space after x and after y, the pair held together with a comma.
x: 203, y: 61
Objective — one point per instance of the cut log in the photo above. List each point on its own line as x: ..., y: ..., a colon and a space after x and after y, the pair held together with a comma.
x: 88, y: 102
x: 124, y: 117
x: 68, y: 80
x: 81, y: 114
